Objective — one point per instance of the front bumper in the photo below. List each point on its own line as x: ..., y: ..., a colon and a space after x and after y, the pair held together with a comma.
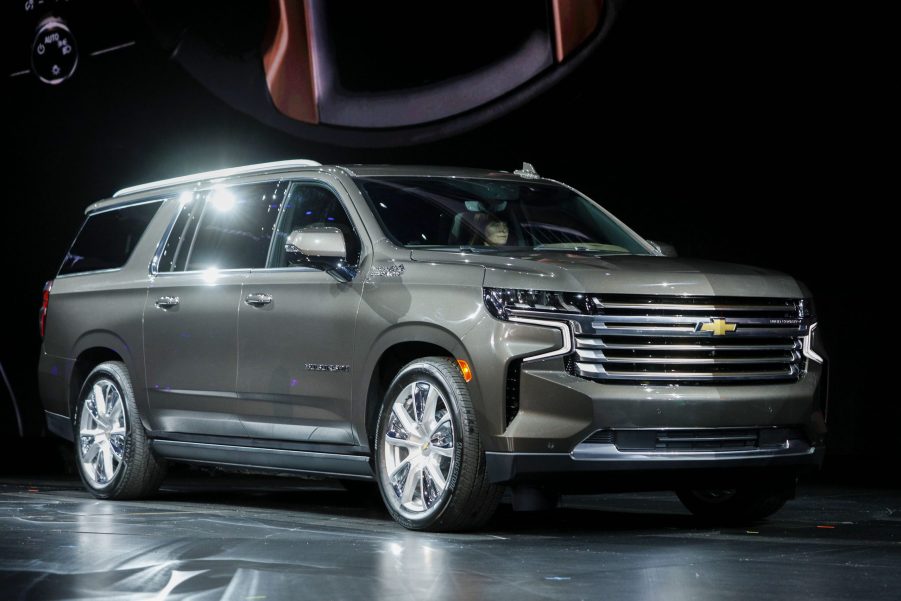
x: 558, y: 411
x: 588, y: 458
x: 557, y: 436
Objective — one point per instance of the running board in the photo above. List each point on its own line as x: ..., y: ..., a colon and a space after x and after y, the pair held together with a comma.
x: 230, y: 456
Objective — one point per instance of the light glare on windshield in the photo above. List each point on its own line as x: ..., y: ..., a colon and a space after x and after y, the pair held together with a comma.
x: 493, y: 214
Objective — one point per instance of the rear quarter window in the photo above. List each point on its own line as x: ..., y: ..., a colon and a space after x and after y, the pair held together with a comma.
x: 107, y: 239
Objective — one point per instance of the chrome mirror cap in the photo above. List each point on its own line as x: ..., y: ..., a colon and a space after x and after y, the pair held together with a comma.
x: 317, y: 242
x: 320, y: 247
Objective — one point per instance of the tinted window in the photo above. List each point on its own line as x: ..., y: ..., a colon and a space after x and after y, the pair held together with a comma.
x: 106, y: 239
x: 460, y: 212
x: 314, y: 205
x: 231, y: 229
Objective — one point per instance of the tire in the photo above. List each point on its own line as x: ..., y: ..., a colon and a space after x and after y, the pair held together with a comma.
x: 112, y: 453
x: 740, y: 505
x: 411, y: 461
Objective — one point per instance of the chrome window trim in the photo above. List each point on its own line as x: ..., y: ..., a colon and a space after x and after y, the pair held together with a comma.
x: 155, y: 259
x: 93, y: 271
x: 205, y: 271
x: 238, y: 269
x: 285, y: 269
x: 124, y: 205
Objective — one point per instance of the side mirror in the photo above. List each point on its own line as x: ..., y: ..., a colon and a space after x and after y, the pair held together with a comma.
x: 321, y: 248
x: 664, y: 248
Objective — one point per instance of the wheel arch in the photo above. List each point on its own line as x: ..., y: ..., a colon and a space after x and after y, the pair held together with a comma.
x: 98, y: 346
x: 85, y: 362
x: 394, y: 349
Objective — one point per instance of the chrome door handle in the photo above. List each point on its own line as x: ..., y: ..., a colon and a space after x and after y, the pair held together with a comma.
x: 166, y: 302
x: 258, y: 299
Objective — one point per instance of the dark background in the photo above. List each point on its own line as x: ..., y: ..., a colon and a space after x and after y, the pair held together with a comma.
x: 728, y: 129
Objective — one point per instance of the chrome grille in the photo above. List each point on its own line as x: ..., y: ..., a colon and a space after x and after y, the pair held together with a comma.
x: 691, y: 340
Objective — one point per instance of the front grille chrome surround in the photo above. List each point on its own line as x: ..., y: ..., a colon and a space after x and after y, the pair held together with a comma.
x: 687, y: 340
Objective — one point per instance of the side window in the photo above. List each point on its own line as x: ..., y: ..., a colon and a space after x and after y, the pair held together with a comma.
x: 107, y: 239
x: 314, y: 205
x: 231, y: 228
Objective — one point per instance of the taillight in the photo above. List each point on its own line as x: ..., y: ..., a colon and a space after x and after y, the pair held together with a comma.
x: 45, y: 302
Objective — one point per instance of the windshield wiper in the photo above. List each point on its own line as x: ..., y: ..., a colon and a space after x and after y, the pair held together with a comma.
x: 579, y: 249
x: 568, y: 249
x: 591, y: 252
x: 452, y: 248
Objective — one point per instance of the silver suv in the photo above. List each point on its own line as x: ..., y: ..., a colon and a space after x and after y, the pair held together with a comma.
x: 445, y: 332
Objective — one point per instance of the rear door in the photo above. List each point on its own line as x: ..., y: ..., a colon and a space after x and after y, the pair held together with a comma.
x: 296, y: 330
x: 191, y: 314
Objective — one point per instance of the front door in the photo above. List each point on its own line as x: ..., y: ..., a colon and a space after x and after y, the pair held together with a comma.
x: 191, y: 314
x: 296, y: 332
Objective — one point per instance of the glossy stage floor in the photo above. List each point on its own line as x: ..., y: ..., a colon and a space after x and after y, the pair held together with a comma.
x: 245, y: 538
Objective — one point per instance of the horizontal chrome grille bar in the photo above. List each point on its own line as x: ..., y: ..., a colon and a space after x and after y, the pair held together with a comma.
x: 600, y: 343
x: 668, y: 319
x: 686, y: 307
x: 697, y: 441
x: 690, y: 332
x: 597, y: 371
x: 599, y: 357
x: 711, y: 438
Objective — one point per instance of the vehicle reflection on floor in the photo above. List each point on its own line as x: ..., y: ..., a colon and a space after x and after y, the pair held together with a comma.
x: 270, y: 538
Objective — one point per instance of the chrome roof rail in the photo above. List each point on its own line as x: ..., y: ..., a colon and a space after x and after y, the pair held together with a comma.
x: 218, y: 173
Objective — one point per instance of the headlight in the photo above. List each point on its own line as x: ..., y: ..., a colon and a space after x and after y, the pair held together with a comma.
x: 806, y: 309
x: 501, y: 301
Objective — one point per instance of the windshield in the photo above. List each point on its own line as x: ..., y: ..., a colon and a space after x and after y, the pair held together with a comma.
x: 490, y: 214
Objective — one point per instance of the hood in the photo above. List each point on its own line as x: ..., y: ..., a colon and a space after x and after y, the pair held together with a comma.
x: 625, y: 274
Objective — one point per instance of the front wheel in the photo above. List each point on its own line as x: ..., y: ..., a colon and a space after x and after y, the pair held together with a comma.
x: 429, y: 461
x: 112, y: 453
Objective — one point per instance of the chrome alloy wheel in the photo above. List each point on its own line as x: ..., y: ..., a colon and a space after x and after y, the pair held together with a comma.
x: 419, y: 448
x: 101, y: 433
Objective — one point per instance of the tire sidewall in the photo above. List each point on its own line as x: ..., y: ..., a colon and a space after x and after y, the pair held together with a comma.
x: 748, y: 503
x: 110, y: 372
x: 429, y: 372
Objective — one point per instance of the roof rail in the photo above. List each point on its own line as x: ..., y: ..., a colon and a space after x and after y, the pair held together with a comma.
x: 218, y: 173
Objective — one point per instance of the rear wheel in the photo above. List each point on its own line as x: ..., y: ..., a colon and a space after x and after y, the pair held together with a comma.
x: 112, y: 453
x: 737, y: 505
x: 429, y: 460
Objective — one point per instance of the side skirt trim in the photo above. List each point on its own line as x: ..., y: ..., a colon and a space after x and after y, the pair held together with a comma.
x: 280, y: 460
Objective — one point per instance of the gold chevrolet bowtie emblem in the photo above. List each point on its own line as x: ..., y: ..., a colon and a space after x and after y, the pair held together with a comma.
x: 719, y: 327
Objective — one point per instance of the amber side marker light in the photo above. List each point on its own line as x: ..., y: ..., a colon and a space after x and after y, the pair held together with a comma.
x: 464, y: 369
